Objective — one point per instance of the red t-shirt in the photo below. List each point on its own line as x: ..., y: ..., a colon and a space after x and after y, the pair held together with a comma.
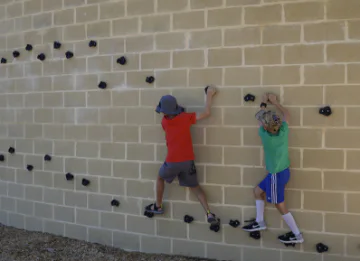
x: 178, y: 137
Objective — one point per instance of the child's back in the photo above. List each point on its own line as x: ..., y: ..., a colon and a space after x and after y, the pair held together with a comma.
x: 178, y: 137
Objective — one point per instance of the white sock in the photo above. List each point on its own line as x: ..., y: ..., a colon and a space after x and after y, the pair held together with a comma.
x: 290, y: 221
x: 260, y: 206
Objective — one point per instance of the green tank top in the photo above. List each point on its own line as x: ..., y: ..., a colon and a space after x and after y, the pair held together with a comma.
x: 276, y: 149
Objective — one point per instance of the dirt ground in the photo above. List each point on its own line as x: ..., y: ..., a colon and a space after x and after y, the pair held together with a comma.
x: 21, y: 245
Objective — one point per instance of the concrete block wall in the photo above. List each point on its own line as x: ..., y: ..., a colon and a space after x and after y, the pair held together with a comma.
x: 306, y: 51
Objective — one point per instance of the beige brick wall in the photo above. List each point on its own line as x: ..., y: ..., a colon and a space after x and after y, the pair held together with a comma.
x: 306, y: 51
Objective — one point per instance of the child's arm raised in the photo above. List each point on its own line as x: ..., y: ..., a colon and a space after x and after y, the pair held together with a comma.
x: 211, y: 91
x: 284, y: 111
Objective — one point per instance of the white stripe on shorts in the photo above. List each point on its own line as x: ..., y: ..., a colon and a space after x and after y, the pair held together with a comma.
x: 275, y: 190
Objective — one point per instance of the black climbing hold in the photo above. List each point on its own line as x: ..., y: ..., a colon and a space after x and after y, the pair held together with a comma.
x: 148, y: 214
x: 255, y: 235
x: 321, y: 248
x: 92, y: 43
x: 115, y: 203
x: 28, y: 47
x: 47, y: 157
x: 69, y: 176
x: 289, y: 244
x: 69, y: 55
x: 234, y: 223
x: 29, y: 167
x: 85, y: 182
x: 41, y: 57
x: 150, y: 79
x: 3, y: 60
x: 57, y: 45
x: 249, y: 97
x: 16, y: 54
x: 102, y: 85
x: 215, y: 227
x: 2, y: 157
x: 326, y: 111
x: 188, y: 219
x: 11, y: 150
x: 206, y: 89
x: 121, y: 60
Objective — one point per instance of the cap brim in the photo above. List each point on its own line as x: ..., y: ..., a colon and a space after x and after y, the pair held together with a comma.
x: 158, y: 109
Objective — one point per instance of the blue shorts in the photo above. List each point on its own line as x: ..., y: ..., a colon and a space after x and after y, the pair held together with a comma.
x: 274, y: 186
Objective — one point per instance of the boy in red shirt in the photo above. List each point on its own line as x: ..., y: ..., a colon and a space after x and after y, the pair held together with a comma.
x: 180, y: 158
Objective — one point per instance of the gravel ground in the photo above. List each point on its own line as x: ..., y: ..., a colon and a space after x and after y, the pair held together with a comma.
x: 22, y: 245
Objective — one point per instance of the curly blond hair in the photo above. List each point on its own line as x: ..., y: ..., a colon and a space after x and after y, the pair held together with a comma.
x: 269, y: 119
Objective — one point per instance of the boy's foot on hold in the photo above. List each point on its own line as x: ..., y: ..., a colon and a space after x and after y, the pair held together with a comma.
x: 211, y: 218
x: 255, y: 226
x: 152, y: 208
x: 291, y: 238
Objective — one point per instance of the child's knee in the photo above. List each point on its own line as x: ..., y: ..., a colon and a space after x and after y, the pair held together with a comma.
x: 258, y: 192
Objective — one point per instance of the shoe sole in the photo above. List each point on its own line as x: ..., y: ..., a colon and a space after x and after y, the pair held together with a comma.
x: 154, y: 211
x: 253, y: 230
x: 292, y: 242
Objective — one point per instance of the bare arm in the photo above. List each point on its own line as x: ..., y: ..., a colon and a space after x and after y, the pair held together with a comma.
x: 284, y: 111
x: 207, y: 112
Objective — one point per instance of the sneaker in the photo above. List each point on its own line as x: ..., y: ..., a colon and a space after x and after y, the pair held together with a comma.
x: 211, y: 218
x: 255, y: 226
x: 291, y: 238
x: 152, y: 208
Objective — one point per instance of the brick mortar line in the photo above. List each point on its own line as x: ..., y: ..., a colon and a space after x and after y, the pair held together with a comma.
x: 140, y: 33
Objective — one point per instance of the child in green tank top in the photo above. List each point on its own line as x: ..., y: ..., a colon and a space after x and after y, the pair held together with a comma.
x: 273, y: 132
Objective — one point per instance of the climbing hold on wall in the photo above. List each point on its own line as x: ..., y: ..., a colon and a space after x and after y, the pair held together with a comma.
x: 121, y: 60
x: 234, y: 223
x: 115, y: 203
x: 16, y: 54
x: 215, y: 226
x: 11, y: 150
x: 85, y: 182
x: 92, y: 43
x: 255, y: 235
x: 69, y: 176
x: 321, y: 248
x: 29, y: 167
x: 57, y: 45
x: 3, y: 60
x: 28, y: 47
x: 206, y: 89
x: 102, y: 85
x: 69, y: 55
x: 326, y: 111
x: 188, y: 219
x: 150, y: 79
x: 249, y: 97
x: 2, y: 157
x: 41, y: 57
x: 47, y: 157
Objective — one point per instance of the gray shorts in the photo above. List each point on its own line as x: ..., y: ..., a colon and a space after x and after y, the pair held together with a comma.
x: 185, y: 171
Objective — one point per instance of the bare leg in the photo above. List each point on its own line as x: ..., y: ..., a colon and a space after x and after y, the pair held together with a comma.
x: 282, y: 208
x: 259, y: 193
x: 199, y: 193
x: 160, y: 186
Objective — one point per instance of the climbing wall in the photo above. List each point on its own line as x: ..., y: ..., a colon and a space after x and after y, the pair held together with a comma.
x: 81, y: 144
